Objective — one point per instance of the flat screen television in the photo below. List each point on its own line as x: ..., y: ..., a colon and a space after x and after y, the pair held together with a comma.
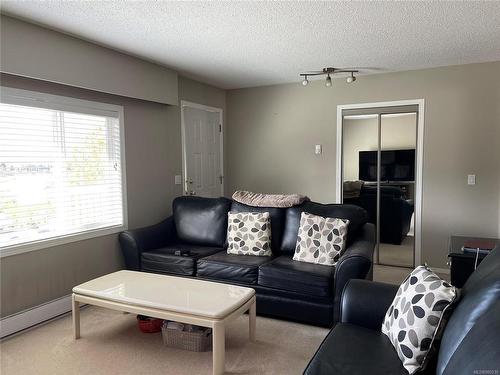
x: 395, y: 165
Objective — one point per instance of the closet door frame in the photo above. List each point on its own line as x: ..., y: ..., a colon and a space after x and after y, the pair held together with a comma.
x: 378, y: 107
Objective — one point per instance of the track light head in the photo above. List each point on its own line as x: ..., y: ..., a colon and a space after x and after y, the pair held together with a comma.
x: 328, y: 82
x: 351, y: 78
x: 305, y: 82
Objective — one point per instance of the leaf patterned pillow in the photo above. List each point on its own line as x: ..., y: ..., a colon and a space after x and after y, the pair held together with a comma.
x: 249, y: 233
x: 416, y: 316
x: 321, y: 240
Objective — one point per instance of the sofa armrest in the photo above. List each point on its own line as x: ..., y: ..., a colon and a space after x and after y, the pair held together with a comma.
x: 134, y: 242
x: 365, y: 303
x: 355, y: 263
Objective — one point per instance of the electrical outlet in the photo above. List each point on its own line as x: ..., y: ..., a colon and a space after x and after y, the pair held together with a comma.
x: 471, y: 179
x: 318, y: 149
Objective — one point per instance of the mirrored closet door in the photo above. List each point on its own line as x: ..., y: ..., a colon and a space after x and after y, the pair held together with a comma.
x: 378, y: 174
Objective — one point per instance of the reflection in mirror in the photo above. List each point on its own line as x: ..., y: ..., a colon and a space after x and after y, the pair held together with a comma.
x: 359, y: 137
x: 398, y: 137
x: 393, y: 210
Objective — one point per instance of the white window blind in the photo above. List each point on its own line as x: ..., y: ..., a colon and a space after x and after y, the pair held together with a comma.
x: 60, y: 170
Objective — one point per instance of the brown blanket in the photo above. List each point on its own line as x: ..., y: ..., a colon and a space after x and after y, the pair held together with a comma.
x: 269, y: 200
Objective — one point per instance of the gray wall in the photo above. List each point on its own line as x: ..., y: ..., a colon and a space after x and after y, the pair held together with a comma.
x: 153, y: 157
x: 272, y: 131
x: 32, y: 51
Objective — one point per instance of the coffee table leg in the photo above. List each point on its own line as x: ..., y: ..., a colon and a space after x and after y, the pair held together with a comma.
x: 251, y: 320
x: 218, y: 348
x: 76, y: 317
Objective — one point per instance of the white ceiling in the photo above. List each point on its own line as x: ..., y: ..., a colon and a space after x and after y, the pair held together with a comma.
x: 244, y: 44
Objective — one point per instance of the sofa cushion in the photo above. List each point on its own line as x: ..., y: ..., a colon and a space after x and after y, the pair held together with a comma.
x: 164, y: 260
x: 305, y: 278
x: 277, y: 221
x: 394, y: 191
x: 355, y: 350
x: 237, y: 268
x: 357, y: 217
x: 201, y: 221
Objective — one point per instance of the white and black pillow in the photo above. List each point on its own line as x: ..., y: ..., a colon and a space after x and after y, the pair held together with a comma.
x: 249, y: 233
x: 416, y: 316
x: 320, y: 240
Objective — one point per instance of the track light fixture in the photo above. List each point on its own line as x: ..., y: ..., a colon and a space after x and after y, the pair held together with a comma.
x: 329, y: 72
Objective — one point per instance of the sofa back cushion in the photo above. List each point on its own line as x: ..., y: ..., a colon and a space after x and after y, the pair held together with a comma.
x: 201, y: 221
x: 277, y: 221
x: 470, y: 340
x: 384, y: 190
x: 356, y: 215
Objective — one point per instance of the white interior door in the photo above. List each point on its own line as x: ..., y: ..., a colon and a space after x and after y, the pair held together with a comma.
x: 202, y: 133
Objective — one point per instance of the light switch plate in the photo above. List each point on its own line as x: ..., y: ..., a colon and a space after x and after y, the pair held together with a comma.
x: 471, y: 179
x: 318, y: 149
x: 178, y: 179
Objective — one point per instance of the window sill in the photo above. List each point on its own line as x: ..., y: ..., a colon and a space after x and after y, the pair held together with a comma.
x: 57, y: 241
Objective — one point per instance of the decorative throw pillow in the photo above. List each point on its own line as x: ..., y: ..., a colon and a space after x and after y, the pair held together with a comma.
x: 321, y: 240
x: 416, y: 316
x: 249, y: 233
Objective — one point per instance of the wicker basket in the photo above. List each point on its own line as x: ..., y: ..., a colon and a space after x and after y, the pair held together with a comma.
x: 193, y: 341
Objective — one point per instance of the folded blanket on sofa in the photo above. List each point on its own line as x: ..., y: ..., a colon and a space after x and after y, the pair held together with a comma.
x: 269, y: 200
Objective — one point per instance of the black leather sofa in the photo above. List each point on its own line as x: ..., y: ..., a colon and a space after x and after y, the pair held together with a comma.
x: 395, y: 211
x: 285, y: 288
x: 470, y: 343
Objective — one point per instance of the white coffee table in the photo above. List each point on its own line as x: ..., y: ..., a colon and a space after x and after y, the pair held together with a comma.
x: 191, y: 301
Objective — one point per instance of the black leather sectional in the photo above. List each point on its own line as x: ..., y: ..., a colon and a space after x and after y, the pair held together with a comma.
x: 285, y: 288
x: 470, y: 343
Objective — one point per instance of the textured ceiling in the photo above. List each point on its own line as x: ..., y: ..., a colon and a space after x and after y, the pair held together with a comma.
x: 243, y: 44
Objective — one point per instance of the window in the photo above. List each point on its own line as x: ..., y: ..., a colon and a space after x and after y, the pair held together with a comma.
x: 61, y: 170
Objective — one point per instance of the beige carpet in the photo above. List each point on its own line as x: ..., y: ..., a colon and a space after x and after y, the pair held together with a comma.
x: 397, y: 255
x: 396, y: 275
x: 112, y: 344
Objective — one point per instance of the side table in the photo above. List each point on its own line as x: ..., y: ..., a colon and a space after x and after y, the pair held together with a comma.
x: 463, y: 264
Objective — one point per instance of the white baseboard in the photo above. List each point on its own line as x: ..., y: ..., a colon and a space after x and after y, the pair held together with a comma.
x: 36, y: 315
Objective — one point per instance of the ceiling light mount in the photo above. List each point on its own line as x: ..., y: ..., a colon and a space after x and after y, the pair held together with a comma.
x: 329, y: 72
